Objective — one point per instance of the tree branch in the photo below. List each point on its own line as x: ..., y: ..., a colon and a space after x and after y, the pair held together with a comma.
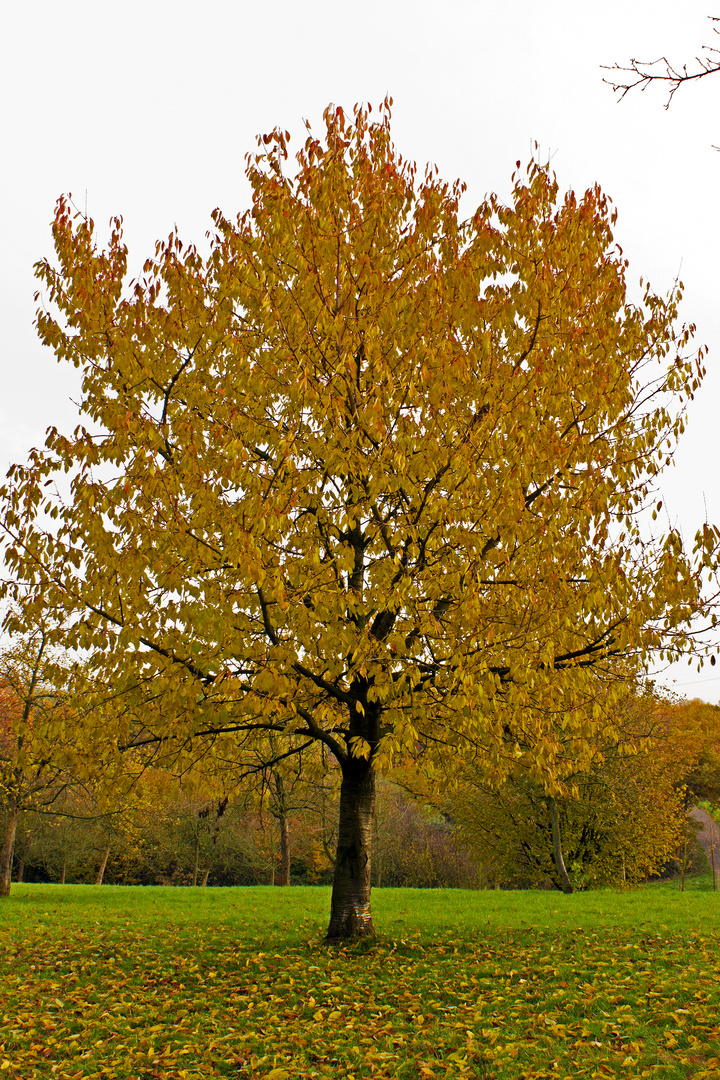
x: 640, y: 73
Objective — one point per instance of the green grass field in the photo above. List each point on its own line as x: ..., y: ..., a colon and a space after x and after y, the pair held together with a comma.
x: 179, y: 984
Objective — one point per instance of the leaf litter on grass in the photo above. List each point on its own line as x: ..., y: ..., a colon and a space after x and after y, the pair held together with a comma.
x: 148, y: 1001
x: 529, y: 1004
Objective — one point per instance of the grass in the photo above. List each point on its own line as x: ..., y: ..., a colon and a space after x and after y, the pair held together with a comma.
x: 183, y: 984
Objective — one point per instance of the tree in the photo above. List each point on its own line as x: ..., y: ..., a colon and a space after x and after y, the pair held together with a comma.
x: 622, y: 823
x: 416, y: 846
x: 365, y: 475
x: 290, y: 788
x: 699, y: 723
x: 622, y: 816
x: 33, y: 765
x: 641, y: 73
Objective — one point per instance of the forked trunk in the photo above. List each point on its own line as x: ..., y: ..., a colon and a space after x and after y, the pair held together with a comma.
x: 103, y: 864
x: 350, y: 915
x: 565, y: 882
x: 6, y: 855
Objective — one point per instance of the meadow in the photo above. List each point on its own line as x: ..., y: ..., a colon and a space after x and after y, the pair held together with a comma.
x: 183, y: 984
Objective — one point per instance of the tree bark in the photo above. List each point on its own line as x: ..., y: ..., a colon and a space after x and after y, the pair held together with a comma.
x: 350, y: 915
x: 378, y: 852
x: 6, y: 854
x: 103, y: 864
x: 557, y: 847
x: 62, y: 876
x: 206, y: 875
x: 20, y: 871
x: 284, y: 878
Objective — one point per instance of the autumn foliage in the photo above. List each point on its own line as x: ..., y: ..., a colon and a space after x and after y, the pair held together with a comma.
x: 365, y: 475
x: 34, y: 754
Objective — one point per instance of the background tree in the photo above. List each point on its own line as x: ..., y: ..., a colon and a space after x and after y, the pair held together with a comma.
x: 608, y: 833
x: 34, y: 744
x: 61, y: 843
x: 365, y: 475
x: 29, y: 846
x: 285, y: 790
x: 621, y: 819
x: 416, y: 846
x: 697, y: 731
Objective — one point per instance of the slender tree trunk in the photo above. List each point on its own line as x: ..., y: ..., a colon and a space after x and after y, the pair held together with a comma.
x: 350, y: 915
x: 62, y: 876
x: 206, y: 875
x: 103, y: 864
x: 197, y: 857
x: 21, y: 871
x: 273, y: 853
x: 378, y: 851
x: 283, y: 878
x: 6, y: 854
x: 557, y: 847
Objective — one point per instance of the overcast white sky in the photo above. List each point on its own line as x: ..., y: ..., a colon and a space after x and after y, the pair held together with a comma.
x: 147, y: 109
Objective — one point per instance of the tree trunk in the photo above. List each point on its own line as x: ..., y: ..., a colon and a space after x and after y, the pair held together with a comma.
x: 103, y: 864
x: 284, y: 876
x: 350, y: 915
x: 62, y: 876
x: 378, y: 851
x: 712, y: 860
x: 557, y: 847
x: 280, y: 812
x: 21, y: 871
x: 197, y: 857
x: 271, y: 846
x: 6, y: 855
x: 206, y: 875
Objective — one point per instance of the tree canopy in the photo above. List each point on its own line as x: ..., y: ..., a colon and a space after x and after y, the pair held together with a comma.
x: 365, y: 474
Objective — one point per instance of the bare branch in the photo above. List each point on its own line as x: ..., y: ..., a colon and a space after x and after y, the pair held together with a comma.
x: 641, y: 73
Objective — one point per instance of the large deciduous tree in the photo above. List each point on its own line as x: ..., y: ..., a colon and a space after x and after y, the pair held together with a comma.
x: 364, y: 474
